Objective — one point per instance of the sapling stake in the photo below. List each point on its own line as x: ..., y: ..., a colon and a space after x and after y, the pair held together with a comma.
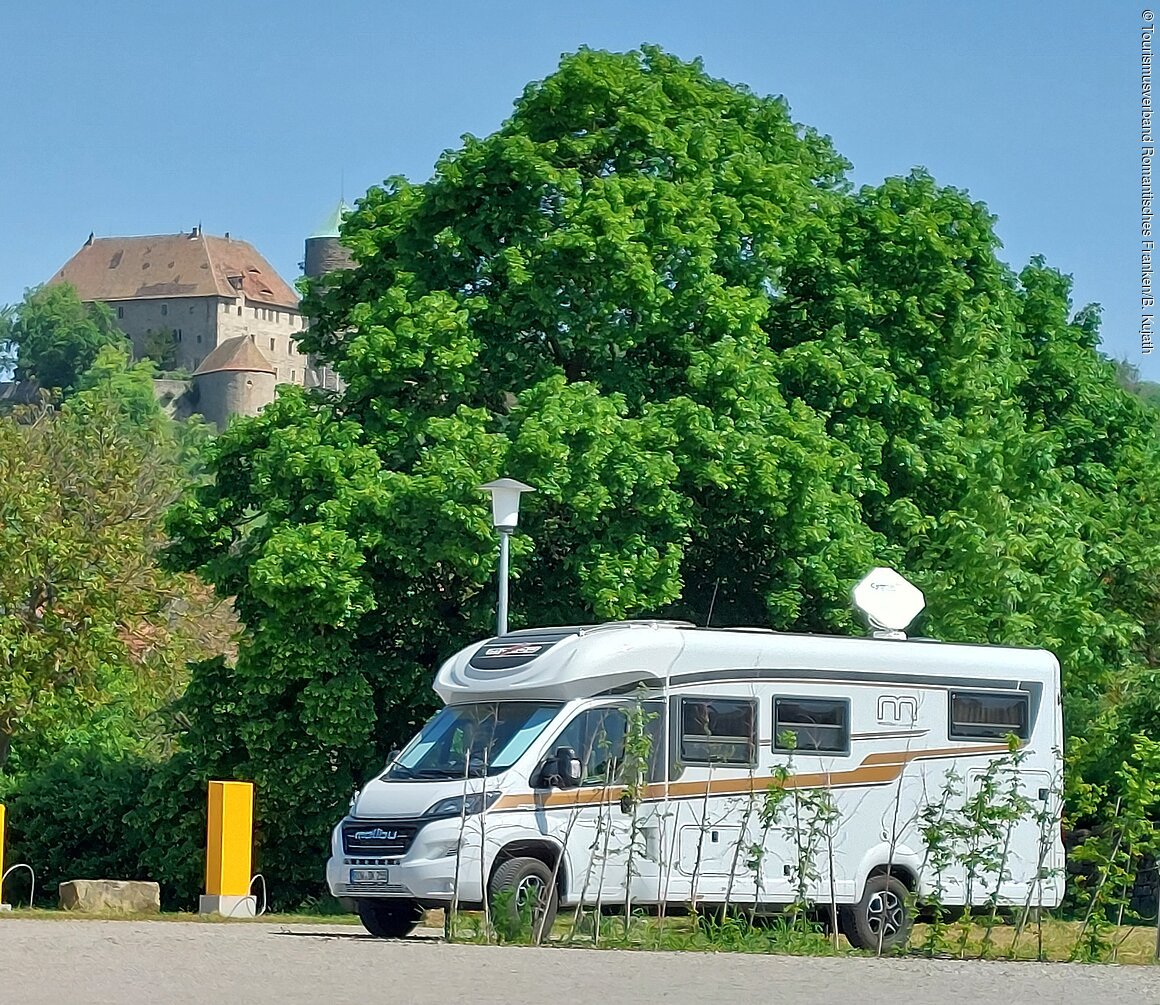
x: 452, y: 914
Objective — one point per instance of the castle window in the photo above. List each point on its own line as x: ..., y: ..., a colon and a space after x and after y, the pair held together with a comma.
x: 199, y: 340
x: 292, y: 376
x: 239, y: 312
x: 255, y: 313
x: 272, y: 347
x: 178, y: 334
x: 164, y: 309
x: 120, y: 312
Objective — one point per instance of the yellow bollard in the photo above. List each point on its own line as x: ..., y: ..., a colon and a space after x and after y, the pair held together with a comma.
x: 228, y: 849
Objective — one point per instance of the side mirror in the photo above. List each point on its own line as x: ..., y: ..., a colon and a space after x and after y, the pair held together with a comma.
x: 564, y: 769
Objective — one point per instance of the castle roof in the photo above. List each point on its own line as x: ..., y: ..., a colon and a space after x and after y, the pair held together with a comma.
x: 333, y: 222
x: 238, y: 353
x: 174, y: 265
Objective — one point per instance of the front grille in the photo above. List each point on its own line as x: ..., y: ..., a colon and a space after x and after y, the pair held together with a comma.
x: 385, y: 838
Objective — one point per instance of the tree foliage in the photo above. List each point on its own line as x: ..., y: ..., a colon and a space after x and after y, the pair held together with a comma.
x: 161, y: 347
x: 1128, y: 377
x: 54, y: 337
x: 736, y: 382
x: 94, y: 636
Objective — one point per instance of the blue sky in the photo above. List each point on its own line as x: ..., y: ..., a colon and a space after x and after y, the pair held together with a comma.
x: 142, y: 118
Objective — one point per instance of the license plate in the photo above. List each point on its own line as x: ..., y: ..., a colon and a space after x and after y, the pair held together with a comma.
x: 368, y: 876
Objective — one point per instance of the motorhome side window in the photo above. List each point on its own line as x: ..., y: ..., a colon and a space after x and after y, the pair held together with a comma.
x: 814, y: 725
x: 598, y: 734
x: 718, y: 731
x: 976, y: 714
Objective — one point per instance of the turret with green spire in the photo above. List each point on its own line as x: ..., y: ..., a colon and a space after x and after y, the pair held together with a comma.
x: 324, y: 251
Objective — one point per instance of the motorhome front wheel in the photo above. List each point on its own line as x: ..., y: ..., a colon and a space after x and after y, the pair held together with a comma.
x: 523, y: 889
x: 389, y: 919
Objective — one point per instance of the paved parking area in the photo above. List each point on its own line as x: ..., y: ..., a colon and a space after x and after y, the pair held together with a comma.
x: 133, y: 963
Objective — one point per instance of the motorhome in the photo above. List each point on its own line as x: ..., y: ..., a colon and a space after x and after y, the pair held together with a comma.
x: 633, y: 764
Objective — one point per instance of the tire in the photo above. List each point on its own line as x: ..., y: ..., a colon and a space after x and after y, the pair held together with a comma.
x: 884, y: 903
x: 525, y: 877
x: 389, y: 919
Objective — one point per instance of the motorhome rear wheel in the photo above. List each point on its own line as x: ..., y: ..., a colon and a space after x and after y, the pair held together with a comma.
x: 884, y: 912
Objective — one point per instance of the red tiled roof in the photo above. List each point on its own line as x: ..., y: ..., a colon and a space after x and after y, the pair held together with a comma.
x: 237, y: 353
x: 173, y: 265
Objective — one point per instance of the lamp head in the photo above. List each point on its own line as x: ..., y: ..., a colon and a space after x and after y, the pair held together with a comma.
x: 505, y: 501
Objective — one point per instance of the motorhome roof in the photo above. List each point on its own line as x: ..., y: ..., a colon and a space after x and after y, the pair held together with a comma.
x: 575, y: 661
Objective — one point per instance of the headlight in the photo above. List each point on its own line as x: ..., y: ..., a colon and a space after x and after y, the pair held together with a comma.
x: 456, y: 806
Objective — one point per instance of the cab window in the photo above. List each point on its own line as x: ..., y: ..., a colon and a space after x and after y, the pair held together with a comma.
x: 598, y: 737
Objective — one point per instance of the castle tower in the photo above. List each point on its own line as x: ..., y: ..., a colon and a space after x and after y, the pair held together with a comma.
x: 234, y: 379
x: 324, y: 251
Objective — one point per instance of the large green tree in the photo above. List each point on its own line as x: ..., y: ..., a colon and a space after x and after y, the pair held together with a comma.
x: 736, y: 383
x: 53, y: 337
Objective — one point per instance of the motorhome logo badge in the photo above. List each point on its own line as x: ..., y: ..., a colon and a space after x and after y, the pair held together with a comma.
x: 519, y: 650
x: 378, y: 834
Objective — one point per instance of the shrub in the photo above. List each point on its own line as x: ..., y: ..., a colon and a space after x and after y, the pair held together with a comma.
x: 69, y: 820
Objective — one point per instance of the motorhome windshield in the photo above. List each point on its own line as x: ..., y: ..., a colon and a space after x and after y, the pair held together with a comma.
x: 473, y: 740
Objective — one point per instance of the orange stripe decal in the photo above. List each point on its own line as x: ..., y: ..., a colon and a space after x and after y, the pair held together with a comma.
x: 875, y: 769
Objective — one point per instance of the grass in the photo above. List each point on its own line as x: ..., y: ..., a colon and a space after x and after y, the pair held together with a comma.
x: 1134, y: 944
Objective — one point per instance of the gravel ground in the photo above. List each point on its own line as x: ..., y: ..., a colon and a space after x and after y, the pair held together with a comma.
x: 170, y: 962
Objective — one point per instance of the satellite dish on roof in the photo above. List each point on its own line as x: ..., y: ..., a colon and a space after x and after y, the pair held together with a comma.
x: 889, y: 602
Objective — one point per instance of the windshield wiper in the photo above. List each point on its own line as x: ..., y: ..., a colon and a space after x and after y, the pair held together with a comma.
x: 397, y: 772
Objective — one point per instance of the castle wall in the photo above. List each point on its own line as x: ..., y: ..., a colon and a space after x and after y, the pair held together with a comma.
x: 177, y: 398
x: 200, y: 324
x: 193, y: 321
x: 274, y: 330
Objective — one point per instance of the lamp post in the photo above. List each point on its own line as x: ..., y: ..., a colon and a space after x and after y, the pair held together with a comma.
x: 505, y: 514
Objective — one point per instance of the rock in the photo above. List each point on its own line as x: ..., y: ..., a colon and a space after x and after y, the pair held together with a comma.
x: 119, y: 896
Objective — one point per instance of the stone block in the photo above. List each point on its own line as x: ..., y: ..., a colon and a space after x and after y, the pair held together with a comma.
x: 120, y: 896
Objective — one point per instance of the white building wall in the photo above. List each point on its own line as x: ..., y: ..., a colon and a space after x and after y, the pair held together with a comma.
x: 200, y: 324
x: 193, y: 321
x: 274, y: 330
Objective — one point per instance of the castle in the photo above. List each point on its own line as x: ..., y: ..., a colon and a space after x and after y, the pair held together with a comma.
x: 229, y: 319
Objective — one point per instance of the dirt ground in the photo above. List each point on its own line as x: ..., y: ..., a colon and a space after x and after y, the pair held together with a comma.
x: 134, y: 962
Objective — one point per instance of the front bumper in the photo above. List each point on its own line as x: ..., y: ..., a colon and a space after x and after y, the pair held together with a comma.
x: 425, y: 872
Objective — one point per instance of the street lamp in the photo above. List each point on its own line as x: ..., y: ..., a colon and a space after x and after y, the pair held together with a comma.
x: 505, y: 514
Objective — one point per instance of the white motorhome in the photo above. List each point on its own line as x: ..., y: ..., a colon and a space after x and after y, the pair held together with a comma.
x: 518, y: 782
